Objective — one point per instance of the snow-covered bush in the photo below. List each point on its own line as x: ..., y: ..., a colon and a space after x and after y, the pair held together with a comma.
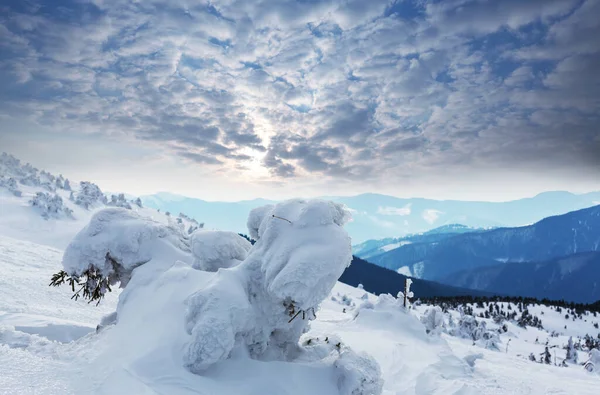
x: 572, y: 355
x: 111, y: 246
x: 31, y: 180
x: 11, y: 185
x: 265, y: 303
x: 214, y: 249
x: 50, y: 205
x: 433, y: 319
x: 119, y: 201
x: 89, y: 195
x: 358, y: 374
x: 469, y: 328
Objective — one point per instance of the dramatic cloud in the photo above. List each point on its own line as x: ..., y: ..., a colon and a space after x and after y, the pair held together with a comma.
x: 345, y: 90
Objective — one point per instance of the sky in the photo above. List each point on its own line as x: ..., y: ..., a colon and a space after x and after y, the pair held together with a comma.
x: 238, y: 99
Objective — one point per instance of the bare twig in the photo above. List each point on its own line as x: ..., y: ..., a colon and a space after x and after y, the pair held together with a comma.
x: 274, y: 216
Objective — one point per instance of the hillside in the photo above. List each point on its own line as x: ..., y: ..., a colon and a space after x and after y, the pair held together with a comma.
x: 49, y: 209
x: 573, y: 278
x: 552, y: 237
x: 371, y: 248
x: 378, y: 280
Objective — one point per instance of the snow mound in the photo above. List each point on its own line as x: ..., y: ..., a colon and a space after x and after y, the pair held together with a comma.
x: 214, y: 249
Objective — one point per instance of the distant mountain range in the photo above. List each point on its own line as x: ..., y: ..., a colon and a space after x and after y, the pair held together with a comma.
x: 546, y: 259
x: 574, y: 278
x: 372, y: 248
x: 380, y: 216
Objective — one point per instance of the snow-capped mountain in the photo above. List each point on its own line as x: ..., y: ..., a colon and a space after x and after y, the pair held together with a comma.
x: 379, y: 216
x: 550, y: 238
x: 574, y: 278
x: 371, y: 248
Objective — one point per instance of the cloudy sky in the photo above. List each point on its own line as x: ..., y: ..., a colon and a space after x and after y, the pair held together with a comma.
x: 237, y: 99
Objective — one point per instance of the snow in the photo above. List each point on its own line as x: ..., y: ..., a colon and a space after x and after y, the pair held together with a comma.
x: 214, y: 249
x: 178, y: 330
x: 128, y: 358
x: 392, y: 246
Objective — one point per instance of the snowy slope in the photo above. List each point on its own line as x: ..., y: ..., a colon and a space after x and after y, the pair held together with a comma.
x: 33, y: 317
x: 55, y: 223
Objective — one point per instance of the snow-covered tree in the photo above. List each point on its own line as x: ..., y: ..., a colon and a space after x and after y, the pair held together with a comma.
x: 119, y: 201
x: 546, y: 356
x: 433, y: 319
x: 572, y: 355
x: 110, y: 247
x: 50, y: 205
x: 263, y: 304
x: 67, y: 185
x: 11, y: 185
x: 469, y: 328
x: 89, y: 195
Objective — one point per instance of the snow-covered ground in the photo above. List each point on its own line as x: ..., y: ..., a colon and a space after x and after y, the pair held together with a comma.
x: 36, y: 323
x: 49, y: 343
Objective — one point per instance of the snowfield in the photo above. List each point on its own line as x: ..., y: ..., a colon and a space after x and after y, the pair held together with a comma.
x: 36, y: 322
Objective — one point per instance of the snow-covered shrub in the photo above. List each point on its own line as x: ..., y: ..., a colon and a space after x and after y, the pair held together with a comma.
x: 89, y: 195
x: 469, y: 328
x: 111, y: 246
x: 214, y: 249
x: 119, y: 201
x: 60, y: 182
x: 31, y: 180
x: 67, y: 185
x: 50, y: 205
x: 433, y: 319
x: 265, y: 303
x: 11, y: 185
x: 358, y: 374
x: 572, y: 355
x: 138, y: 202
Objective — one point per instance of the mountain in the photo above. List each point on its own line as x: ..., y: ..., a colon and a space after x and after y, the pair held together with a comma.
x: 575, y: 278
x: 378, y: 280
x: 379, y: 216
x: 215, y: 215
x: 550, y: 238
x: 371, y: 248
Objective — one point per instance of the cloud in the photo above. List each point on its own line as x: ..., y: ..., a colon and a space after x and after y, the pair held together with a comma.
x: 366, y: 92
x: 431, y: 215
x: 402, y: 211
